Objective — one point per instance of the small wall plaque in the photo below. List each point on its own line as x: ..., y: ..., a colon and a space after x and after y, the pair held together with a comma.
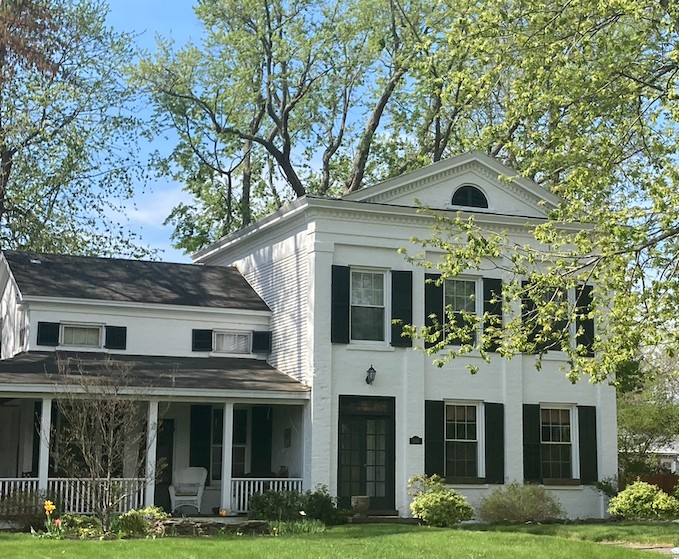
x: 415, y: 440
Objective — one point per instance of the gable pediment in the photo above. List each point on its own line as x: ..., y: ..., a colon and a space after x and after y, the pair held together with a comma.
x: 435, y: 185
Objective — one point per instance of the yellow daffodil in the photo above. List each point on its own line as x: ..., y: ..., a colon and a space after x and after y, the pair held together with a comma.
x: 49, y: 507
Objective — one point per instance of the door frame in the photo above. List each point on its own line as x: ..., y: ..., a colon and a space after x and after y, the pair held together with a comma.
x: 366, y: 407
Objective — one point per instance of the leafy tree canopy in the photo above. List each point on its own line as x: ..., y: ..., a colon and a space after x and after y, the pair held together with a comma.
x: 68, y: 135
x: 648, y: 413
x: 291, y: 97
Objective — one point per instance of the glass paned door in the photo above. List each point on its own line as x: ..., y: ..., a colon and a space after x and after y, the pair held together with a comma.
x: 366, y: 452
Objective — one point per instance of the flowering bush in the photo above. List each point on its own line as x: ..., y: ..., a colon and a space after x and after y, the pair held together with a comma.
x: 138, y: 522
x: 436, y: 504
x: 641, y: 500
x: 82, y: 526
x: 53, y: 526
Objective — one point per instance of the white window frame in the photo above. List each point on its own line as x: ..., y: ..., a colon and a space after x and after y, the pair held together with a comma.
x: 574, y: 442
x: 480, y: 435
x: 245, y: 333
x: 216, y: 448
x: 386, y: 298
x: 83, y: 325
x: 478, y: 302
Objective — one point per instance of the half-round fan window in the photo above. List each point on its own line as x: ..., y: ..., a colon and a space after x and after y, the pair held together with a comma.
x: 470, y: 196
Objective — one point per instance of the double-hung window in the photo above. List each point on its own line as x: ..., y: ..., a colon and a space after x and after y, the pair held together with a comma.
x: 556, y: 442
x: 367, y: 321
x: 459, y: 296
x: 81, y: 336
x: 232, y: 342
x: 462, y: 440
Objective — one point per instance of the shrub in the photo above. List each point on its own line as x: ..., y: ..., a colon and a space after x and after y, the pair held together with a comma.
x: 320, y: 505
x: 287, y: 506
x: 276, y: 505
x: 436, y: 504
x: 520, y: 503
x: 641, y: 500
x: 138, y: 522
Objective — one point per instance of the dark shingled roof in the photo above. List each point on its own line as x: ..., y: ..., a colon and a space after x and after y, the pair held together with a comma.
x: 133, y: 281
x: 148, y: 371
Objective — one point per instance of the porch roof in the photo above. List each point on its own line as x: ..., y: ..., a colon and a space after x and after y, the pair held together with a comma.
x: 60, y: 371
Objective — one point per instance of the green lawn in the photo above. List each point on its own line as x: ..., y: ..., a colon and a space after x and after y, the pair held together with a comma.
x: 649, y: 533
x: 375, y: 541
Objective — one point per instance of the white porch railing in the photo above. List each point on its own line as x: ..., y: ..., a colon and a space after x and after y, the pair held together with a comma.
x: 72, y: 495
x: 24, y: 491
x: 243, y: 488
x: 78, y: 495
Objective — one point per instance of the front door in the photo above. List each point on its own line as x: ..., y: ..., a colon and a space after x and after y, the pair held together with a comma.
x: 366, y: 451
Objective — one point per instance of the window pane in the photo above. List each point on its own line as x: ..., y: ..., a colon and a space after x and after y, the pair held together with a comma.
x: 461, y: 459
x: 460, y: 295
x: 367, y: 288
x: 367, y: 323
x: 555, y: 430
x: 231, y: 342
x: 367, y: 306
x: 81, y: 336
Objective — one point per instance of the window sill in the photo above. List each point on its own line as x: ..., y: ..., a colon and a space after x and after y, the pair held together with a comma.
x: 551, y: 482
x: 466, y: 481
x: 240, y: 355
x: 64, y: 347
x: 379, y: 346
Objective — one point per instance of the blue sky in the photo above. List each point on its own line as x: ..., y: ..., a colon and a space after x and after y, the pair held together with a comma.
x: 148, y: 18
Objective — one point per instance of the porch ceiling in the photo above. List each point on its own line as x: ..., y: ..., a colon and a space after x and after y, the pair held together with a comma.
x: 155, y: 373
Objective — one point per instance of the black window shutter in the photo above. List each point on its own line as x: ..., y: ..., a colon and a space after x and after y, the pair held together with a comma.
x: 528, y: 313
x: 201, y: 340
x: 260, y: 459
x: 433, y: 301
x: 532, y: 467
x: 116, y: 337
x: 560, y: 326
x: 492, y: 305
x: 37, y: 420
x: 261, y: 342
x: 434, y: 443
x: 586, y: 325
x: 587, y: 443
x: 200, y: 431
x: 401, y: 306
x: 495, y: 442
x: 339, y: 322
x: 48, y: 333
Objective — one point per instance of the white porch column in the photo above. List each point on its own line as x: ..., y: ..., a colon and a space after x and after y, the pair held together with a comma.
x: 151, y: 444
x: 227, y: 456
x: 45, y: 433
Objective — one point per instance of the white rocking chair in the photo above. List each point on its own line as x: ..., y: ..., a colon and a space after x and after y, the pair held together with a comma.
x: 187, y: 488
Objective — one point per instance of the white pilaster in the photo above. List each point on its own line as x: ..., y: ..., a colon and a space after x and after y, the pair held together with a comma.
x: 151, y: 446
x: 45, y: 433
x: 227, y: 456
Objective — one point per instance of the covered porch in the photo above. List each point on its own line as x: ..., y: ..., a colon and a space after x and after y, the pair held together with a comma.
x: 244, y: 424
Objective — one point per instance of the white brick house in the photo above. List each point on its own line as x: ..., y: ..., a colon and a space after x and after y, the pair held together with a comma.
x: 330, y: 272
x: 269, y: 375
